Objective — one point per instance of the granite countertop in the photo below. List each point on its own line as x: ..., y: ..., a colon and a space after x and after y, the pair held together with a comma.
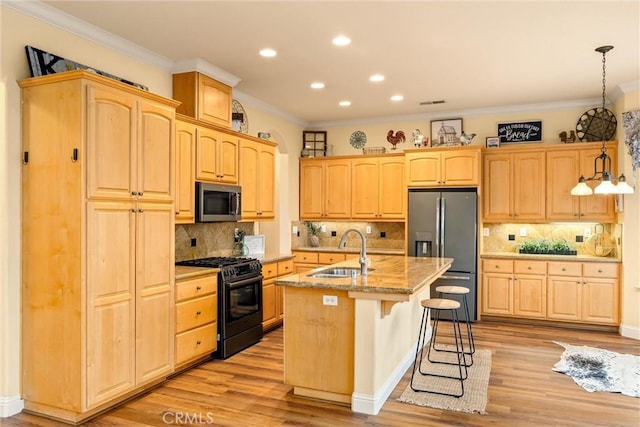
x: 273, y: 257
x: 388, y: 275
x: 542, y: 257
x: 184, y: 272
x: 370, y: 250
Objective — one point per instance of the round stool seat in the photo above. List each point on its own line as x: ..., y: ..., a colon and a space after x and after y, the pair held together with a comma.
x: 458, y: 290
x: 440, y: 304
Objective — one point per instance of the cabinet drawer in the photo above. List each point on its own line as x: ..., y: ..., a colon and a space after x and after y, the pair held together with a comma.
x: 497, y: 266
x: 306, y: 257
x: 330, y: 258
x: 530, y: 267
x: 285, y: 267
x: 196, y: 312
x: 598, y: 269
x: 196, y: 342
x: 269, y: 270
x: 196, y: 287
x: 573, y: 269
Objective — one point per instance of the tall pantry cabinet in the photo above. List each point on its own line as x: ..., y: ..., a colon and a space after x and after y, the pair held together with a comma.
x: 97, y: 243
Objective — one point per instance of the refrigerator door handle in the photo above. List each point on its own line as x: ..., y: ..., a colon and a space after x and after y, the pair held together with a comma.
x: 455, y: 277
x: 441, y: 225
x: 438, y: 219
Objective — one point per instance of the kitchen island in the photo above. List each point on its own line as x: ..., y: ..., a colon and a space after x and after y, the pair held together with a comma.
x: 350, y: 340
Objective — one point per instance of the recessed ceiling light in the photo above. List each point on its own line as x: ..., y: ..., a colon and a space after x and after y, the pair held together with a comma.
x: 341, y: 41
x: 317, y: 85
x: 376, y: 78
x: 268, y: 53
x: 397, y: 98
x: 344, y: 103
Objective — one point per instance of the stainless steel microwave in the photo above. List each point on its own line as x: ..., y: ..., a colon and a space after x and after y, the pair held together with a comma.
x: 218, y: 202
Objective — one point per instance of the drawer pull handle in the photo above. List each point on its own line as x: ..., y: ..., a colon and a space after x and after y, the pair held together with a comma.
x: 497, y: 266
x: 564, y: 269
x: 198, y: 342
x: 198, y: 313
x: 599, y: 270
x: 198, y: 288
x: 528, y: 268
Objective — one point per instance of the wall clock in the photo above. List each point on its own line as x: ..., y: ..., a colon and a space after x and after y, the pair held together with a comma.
x: 239, y: 123
x: 358, y: 139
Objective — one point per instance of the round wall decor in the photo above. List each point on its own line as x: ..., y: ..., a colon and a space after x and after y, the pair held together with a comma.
x: 358, y: 139
x: 597, y: 124
x: 239, y: 119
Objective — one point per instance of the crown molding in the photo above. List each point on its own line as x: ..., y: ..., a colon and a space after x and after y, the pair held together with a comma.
x: 624, y: 88
x: 204, y: 67
x: 268, y: 108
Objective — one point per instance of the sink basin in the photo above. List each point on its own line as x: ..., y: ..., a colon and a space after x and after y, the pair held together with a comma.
x: 337, y: 272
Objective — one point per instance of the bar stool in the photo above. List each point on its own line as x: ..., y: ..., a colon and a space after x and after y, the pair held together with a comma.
x: 462, y: 292
x: 436, y: 305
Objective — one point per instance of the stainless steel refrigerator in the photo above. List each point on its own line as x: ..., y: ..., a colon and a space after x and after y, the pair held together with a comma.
x: 444, y: 224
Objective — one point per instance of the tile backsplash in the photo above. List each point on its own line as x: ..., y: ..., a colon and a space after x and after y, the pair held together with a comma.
x: 212, y: 239
x: 393, y: 234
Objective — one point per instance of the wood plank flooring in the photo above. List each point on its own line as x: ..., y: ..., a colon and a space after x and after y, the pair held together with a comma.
x: 247, y: 390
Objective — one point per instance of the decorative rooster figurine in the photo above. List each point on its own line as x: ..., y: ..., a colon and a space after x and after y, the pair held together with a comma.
x: 394, y: 139
x: 466, y: 139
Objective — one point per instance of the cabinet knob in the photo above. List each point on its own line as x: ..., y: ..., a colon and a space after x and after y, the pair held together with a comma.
x: 497, y: 266
x: 133, y: 210
x: 140, y: 193
x: 140, y: 210
x: 564, y: 269
x: 599, y: 270
x: 198, y: 313
x: 198, y: 288
x: 133, y: 193
x: 528, y: 268
x: 198, y: 342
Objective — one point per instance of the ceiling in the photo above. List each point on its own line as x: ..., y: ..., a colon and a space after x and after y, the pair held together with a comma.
x: 472, y: 54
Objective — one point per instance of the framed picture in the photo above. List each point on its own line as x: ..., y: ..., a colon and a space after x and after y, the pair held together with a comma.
x: 520, y: 132
x: 446, y: 132
x: 493, y: 141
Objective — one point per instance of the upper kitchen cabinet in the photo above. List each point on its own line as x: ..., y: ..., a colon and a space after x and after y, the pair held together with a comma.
x: 379, y: 185
x: 257, y: 178
x: 216, y: 156
x: 564, y: 167
x: 325, y: 188
x: 513, y: 185
x: 106, y: 279
x: 203, y: 98
x: 185, y: 160
x: 443, y: 167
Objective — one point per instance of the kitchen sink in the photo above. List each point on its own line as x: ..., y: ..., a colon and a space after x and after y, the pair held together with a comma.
x: 337, y: 272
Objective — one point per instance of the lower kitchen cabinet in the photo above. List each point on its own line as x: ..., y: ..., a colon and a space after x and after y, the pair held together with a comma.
x: 196, y: 318
x: 306, y: 260
x: 272, y: 303
x: 580, y: 292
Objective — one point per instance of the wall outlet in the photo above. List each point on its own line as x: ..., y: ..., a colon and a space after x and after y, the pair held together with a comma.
x: 512, y: 237
x: 334, y: 233
x: 485, y: 232
x: 294, y: 229
x: 368, y: 229
x: 193, y: 242
x: 587, y: 232
x: 383, y: 234
x: 329, y: 299
x: 323, y: 228
x: 523, y: 232
x: 579, y: 239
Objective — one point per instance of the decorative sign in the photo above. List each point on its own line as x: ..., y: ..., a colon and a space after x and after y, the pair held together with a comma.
x: 520, y: 132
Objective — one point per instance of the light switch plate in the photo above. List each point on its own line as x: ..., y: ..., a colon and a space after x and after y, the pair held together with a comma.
x: 329, y: 300
x: 368, y: 229
x: 294, y: 229
x: 323, y: 228
x: 485, y: 232
x: 587, y: 232
x: 523, y: 232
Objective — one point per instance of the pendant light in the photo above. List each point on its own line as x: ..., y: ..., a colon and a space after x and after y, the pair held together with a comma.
x: 602, y: 163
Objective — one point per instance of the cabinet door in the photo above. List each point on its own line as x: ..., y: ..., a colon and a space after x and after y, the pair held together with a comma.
x: 185, y: 186
x: 528, y: 186
x: 599, y: 207
x: 249, y: 178
x: 111, y: 292
x: 154, y: 291
x: 391, y: 191
x: 228, y: 158
x: 207, y: 155
x: 311, y: 189
x: 269, y: 304
x: 111, y: 143
x: 365, y: 185
x: 562, y: 175
x: 154, y: 159
x: 497, y: 294
x: 530, y: 296
x: 459, y: 168
x: 564, y: 298
x: 497, y: 187
x: 600, y: 300
x: 337, y: 194
x: 214, y: 101
x: 423, y: 169
x: 266, y: 185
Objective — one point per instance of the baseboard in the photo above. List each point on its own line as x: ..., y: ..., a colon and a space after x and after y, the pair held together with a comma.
x: 10, y: 405
x: 371, y: 404
x: 630, y: 332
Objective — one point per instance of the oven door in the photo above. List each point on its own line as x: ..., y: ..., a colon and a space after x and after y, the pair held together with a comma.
x: 243, y: 306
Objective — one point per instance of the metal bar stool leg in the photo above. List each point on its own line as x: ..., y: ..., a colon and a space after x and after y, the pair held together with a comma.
x: 460, y: 291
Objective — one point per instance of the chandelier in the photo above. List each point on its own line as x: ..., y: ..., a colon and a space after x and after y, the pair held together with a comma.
x: 602, y: 163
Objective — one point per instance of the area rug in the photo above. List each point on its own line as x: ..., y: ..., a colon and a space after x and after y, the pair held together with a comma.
x: 474, y: 399
x: 595, y: 369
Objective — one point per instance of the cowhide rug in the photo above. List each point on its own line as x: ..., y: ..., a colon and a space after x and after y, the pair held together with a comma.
x: 596, y: 369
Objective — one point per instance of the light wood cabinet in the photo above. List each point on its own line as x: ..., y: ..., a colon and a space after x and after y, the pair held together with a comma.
x: 216, y: 156
x: 306, y: 260
x: 257, y: 178
x: 378, y: 186
x: 514, y: 186
x: 196, y: 306
x: 584, y: 292
x: 107, y: 279
x: 564, y: 167
x: 459, y: 167
x: 203, y: 98
x: 325, y: 189
x: 272, y: 303
x: 185, y: 160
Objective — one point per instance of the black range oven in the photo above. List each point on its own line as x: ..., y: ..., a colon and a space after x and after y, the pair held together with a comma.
x: 239, y: 302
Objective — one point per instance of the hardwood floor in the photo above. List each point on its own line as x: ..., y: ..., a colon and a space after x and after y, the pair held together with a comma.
x: 247, y: 390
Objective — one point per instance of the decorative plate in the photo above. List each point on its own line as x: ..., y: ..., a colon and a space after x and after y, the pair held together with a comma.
x: 597, y: 124
x: 237, y: 108
x: 358, y: 139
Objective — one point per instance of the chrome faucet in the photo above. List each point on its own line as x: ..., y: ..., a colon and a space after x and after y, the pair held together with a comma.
x: 363, y: 249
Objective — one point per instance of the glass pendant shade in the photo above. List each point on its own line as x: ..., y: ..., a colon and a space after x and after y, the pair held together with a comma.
x: 581, y: 188
x: 623, y: 187
x: 605, y: 187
